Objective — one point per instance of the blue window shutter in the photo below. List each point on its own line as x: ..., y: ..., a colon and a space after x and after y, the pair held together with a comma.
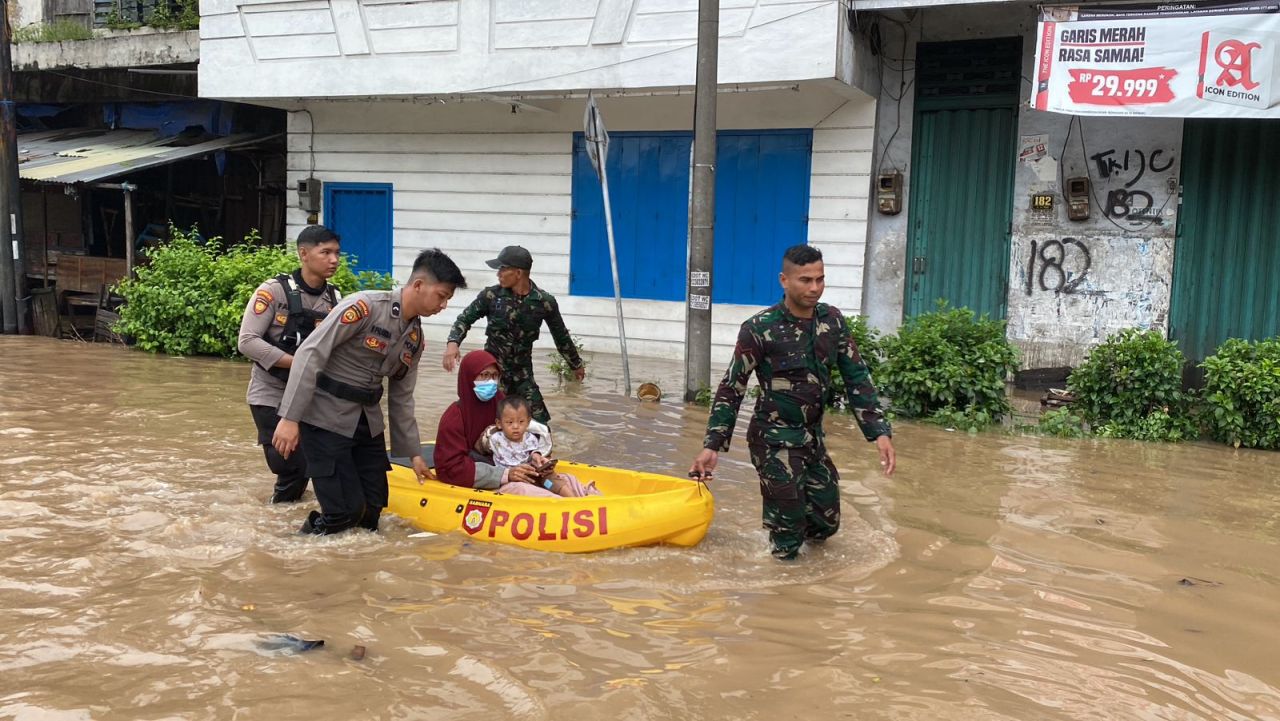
x: 762, y: 205
x: 361, y: 214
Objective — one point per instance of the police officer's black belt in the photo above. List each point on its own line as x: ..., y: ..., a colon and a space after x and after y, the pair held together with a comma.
x: 348, y: 392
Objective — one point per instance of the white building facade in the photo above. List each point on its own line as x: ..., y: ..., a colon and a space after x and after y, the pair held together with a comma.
x: 457, y: 124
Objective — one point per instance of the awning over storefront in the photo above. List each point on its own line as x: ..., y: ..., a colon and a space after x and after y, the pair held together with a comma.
x: 84, y: 155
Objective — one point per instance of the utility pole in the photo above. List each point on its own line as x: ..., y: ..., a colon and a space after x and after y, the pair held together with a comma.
x: 702, y: 212
x: 13, y: 276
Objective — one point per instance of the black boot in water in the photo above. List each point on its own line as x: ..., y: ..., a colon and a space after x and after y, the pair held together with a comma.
x: 369, y: 520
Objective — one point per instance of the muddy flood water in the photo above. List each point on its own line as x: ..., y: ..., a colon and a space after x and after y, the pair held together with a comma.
x: 996, y: 576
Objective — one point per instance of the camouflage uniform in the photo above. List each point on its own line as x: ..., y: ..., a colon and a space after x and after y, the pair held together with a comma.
x: 514, y: 324
x: 794, y: 359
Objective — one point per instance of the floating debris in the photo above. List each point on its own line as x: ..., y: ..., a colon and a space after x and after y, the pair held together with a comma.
x: 287, y: 642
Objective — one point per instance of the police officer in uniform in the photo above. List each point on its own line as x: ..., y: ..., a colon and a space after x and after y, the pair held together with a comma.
x: 794, y: 348
x: 331, y: 404
x: 516, y: 308
x: 281, y: 314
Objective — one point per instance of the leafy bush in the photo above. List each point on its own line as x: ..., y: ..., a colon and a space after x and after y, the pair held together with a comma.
x: 948, y: 360
x: 871, y: 350
x: 1158, y: 425
x: 1061, y: 423
x: 52, y: 32
x: 704, y: 397
x: 176, y: 15
x: 559, y: 365
x: 1241, y: 394
x: 190, y: 297
x: 970, y: 419
x: 1131, y: 387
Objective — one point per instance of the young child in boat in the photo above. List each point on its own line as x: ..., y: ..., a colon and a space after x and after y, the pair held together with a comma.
x: 516, y: 438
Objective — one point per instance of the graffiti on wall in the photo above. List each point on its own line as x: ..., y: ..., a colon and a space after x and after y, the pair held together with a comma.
x: 1063, y: 265
x: 1137, y: 207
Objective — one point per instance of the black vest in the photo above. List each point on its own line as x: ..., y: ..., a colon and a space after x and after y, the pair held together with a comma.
x: 302, y: 321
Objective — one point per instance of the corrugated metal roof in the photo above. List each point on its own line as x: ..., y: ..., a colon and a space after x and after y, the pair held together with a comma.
x: 84, y: 155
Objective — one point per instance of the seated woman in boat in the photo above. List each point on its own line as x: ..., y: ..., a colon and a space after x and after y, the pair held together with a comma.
x: 462, y: 425
x: 516, y: 439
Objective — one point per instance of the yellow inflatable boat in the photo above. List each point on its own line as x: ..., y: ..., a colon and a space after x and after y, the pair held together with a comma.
x: 635, y: 509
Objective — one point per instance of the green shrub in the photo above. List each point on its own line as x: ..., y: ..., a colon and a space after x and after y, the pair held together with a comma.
x: 1131, y: 387
x: 948, y: 360
x: 704, y: 397
x: 52, y: 32
x: 190, y: 297
x: 1241, y: 397
x: 116, y: 21
x: 559, y: 365
x: 175, y: 15
x: 1158, y: 425
x: 871, y: 350
x: 970, y: 419
x: 1061, y: 423
x: 870, y: 345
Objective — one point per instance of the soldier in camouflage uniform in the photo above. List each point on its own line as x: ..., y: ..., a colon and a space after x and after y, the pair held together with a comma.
x: 516, y: 308
x: 794, y: 348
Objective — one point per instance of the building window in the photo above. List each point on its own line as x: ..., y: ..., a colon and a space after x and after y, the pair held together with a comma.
x: 762, y: 206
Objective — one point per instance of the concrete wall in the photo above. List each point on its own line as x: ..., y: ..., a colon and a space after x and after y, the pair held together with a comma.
x: 473, y: 177
x: 114, y: 49
x: 1116, y: 267
x: 256, y: 49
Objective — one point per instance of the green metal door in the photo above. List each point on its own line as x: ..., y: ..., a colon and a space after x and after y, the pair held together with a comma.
x: 963, y: 154
x: 1226, y: 270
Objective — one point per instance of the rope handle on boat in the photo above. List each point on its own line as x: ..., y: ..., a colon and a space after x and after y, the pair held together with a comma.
x: 702, y: 479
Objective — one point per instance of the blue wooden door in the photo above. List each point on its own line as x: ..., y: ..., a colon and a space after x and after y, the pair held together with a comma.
x: 360, y: 213
x: 762, y: 206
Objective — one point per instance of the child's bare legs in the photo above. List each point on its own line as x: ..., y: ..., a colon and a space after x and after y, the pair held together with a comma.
x: 568, y: 486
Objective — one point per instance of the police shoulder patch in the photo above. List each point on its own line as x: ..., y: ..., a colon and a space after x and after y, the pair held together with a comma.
x: 355, y: 312
x: 262, y: 301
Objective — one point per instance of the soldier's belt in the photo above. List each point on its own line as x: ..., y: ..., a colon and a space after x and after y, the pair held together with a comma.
x: 348, y: 392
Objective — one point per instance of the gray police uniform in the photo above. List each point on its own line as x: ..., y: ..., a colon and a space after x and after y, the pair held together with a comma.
x: 334, y: 393
x: 281, y: 314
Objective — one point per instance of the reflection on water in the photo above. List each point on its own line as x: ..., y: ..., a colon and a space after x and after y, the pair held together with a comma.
x: 996, y: 577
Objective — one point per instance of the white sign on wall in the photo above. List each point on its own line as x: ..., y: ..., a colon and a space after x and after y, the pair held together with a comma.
x: 1181, y: 59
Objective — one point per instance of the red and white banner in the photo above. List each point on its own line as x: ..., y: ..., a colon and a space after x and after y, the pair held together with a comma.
x: 1179, y: 59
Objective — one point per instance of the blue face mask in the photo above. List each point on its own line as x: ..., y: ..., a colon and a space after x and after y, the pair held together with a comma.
x: 486, y: 390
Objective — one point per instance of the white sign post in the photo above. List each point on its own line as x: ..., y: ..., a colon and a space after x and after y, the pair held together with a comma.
x: 598, y: 150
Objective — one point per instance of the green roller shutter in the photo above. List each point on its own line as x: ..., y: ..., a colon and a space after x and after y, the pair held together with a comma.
x: 963, y: 155
x: 1226, y: 273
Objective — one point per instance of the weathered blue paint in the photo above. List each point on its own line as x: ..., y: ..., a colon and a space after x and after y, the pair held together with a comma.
x: 361, y: 214
x: 762, y: 207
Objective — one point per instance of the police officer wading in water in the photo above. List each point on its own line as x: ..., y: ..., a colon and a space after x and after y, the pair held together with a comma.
x: 795, y: 348
x: 281, y: 314
x: 516, y: 307
x: 331, y: 401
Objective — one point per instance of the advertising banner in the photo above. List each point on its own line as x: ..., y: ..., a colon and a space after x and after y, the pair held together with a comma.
x: 1180, y: 59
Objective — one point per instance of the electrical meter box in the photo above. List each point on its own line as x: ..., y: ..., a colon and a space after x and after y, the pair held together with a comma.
x: 889, y: 193
x: 309, y: 195
x: 1078, y: 198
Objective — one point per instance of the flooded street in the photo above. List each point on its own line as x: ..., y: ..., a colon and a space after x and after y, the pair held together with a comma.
x: 995, y: 576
